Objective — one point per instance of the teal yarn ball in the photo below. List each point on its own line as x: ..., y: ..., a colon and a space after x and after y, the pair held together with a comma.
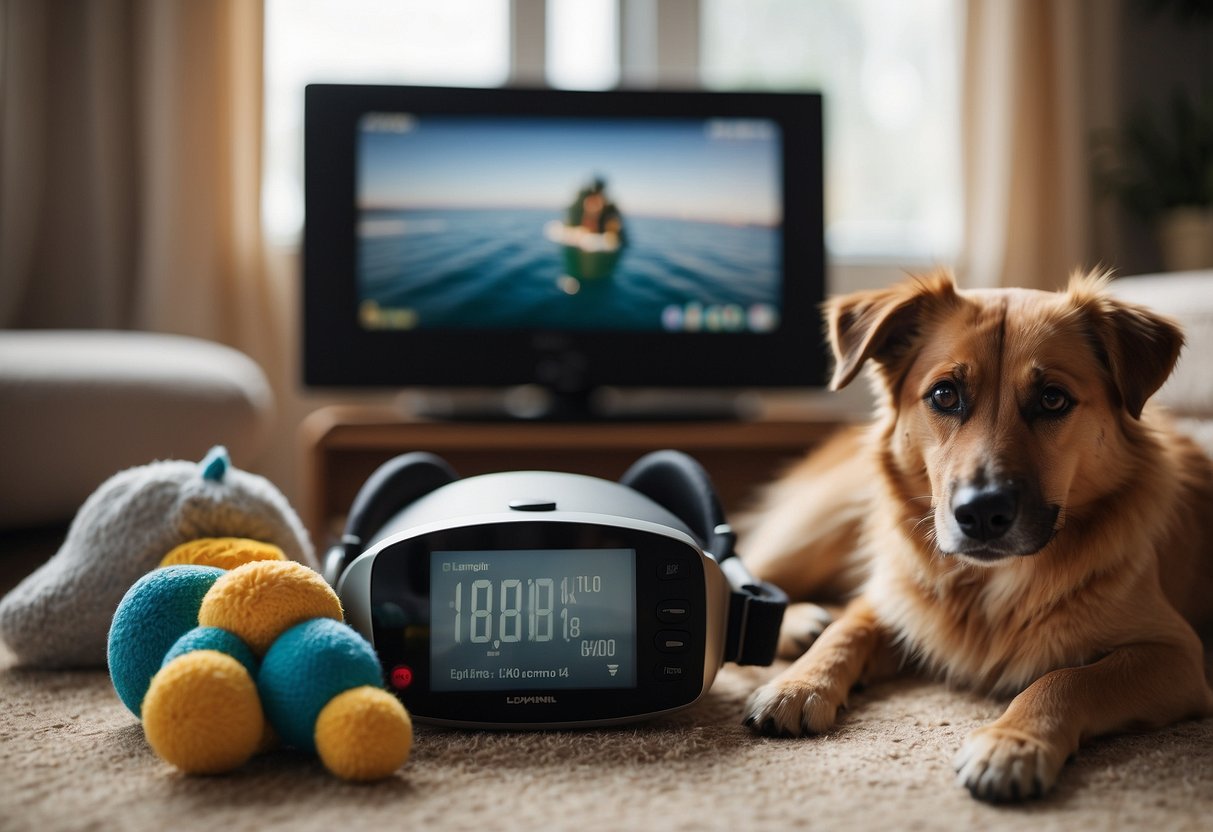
x: 156, y: 611
x: 307, y: 666
x: 214, y: 638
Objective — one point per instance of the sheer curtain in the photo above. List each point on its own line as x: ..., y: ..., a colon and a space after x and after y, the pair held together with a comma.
x: 130, y: 168
x: 1032, y: 90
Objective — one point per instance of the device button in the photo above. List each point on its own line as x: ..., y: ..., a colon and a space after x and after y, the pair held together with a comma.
x: 533, y: 505
x: 402, y: 676
x: 673, y: 612
x: 673, y: 641
x: 670, y: 672
x: 673, y: 569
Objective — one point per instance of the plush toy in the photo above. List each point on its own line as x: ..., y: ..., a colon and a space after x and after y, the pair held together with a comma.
x: 217, y: 663
x: 219, y: 642
x: 59, y: 615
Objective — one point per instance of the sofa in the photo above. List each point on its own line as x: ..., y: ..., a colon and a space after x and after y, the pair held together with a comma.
x: 78, y: 406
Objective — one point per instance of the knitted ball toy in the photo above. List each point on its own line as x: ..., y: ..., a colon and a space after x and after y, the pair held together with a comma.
x: 321, y: 687
x: 59, y: 615
x: 258, y: 602
x: 262, y: 652
x: 222, y: 552
x: 161, y: 607
x: 202, y: 713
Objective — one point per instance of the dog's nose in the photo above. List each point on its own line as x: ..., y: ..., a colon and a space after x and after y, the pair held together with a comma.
x: 986, y: 513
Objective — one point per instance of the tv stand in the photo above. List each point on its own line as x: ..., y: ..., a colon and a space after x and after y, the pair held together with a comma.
x: 534, y: 403
x: 344, y: 444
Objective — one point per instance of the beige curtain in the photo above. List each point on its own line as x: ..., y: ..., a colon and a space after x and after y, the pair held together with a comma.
x: 1032, y: 87
x: 130, y: 145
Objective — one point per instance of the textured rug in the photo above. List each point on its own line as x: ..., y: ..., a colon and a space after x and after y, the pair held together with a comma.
x: 72, y: 757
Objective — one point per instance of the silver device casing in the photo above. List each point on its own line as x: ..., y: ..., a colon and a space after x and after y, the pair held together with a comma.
x: 511, y: 497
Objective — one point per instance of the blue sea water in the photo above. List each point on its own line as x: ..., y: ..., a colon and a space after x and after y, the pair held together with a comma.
x: 496, y: 269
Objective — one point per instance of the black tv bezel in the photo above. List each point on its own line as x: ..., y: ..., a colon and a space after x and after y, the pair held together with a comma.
x: 338, y: 352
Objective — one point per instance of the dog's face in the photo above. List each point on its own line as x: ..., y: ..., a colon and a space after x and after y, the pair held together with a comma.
x: 1005, y: 407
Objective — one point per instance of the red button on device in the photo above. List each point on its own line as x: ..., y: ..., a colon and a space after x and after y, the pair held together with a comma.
x: 402, y: 676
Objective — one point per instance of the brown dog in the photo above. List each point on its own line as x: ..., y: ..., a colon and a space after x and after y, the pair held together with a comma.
x: 1013, y: 521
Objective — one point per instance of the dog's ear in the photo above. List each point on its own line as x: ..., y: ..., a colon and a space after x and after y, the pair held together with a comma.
x: 882, y: 324
x: 1138, y: 346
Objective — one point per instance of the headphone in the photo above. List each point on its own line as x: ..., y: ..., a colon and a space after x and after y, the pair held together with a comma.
x: 671, y: 479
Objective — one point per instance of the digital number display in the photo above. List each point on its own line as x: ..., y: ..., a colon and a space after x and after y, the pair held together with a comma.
x: 533, y: 619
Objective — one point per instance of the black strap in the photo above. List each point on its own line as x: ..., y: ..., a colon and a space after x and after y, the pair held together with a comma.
x: 755, y: 615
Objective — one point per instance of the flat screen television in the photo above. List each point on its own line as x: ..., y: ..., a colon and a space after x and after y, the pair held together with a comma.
x: 572, y: 240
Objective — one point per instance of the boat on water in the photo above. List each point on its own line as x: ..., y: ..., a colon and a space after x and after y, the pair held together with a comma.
x: 588, y: 255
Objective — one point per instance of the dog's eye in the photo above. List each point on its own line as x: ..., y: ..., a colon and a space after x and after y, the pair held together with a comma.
x: 945, y: 397
x: 1054, y: 400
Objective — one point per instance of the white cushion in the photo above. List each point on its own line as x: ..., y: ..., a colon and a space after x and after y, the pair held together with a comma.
x: 78, y: 406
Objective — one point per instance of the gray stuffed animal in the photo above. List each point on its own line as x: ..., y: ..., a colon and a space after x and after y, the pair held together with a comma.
x: 59, y: 616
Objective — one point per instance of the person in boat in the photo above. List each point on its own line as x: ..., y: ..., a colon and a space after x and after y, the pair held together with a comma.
x: 591, y: 237
x: 595, y: 212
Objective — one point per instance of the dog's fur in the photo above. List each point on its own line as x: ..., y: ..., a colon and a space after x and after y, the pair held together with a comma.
x: 1016, y: 520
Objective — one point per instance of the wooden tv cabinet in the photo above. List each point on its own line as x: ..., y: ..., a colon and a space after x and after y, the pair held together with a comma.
x: 344, y: 444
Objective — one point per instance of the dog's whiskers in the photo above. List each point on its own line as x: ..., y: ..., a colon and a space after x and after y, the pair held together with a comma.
x: 926, y: 517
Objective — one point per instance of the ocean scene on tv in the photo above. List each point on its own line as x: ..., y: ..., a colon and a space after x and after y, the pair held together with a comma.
x: 568, y: 224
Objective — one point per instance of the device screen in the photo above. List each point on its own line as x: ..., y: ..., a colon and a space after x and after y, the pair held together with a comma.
x: 532, y: 619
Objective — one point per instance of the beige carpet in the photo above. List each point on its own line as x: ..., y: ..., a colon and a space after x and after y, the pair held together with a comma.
x: 71, y: 757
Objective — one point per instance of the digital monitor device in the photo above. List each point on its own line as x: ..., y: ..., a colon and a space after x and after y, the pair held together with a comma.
x: 544, y: 599
x: 574, y: 240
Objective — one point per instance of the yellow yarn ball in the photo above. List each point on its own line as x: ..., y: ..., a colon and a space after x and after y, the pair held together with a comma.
x: 363, y: 734
x: 202, y: 713
x: 222, y: 552
x: 261, y: 600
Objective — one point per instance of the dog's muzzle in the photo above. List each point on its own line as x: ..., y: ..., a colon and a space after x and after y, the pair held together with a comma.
x: 996, y: 520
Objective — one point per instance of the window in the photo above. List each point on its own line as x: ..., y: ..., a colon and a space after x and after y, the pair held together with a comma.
x: 583, y: 44
x: 889, y: 72
x: 452, y: 43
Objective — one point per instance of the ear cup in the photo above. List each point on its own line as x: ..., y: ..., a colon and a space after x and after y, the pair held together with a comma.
x: 681, y: 485
x: 393, y: 485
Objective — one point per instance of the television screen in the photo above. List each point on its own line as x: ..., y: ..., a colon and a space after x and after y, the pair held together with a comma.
x: 460, y: 237
x: 472, y: 222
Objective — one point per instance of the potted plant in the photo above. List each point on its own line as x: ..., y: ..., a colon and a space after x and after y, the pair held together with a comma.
x: 1160, y: 166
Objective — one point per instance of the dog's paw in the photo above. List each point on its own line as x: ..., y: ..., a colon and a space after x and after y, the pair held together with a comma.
x: 791, y: 708
x: 998, y: 765
x: 802, y: 624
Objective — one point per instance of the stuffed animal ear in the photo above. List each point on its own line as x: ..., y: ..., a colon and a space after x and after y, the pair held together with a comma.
x: 882, y: 324
x: 1138, y: 346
